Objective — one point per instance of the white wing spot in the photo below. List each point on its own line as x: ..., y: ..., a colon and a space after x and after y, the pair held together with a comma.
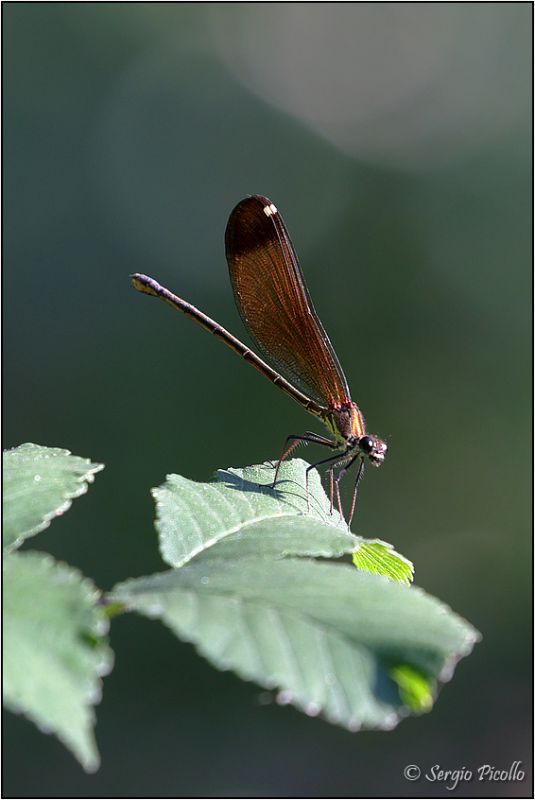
x: 269, y: 210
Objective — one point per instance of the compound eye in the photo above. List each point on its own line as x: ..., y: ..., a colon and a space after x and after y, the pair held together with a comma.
x: 366, y: 444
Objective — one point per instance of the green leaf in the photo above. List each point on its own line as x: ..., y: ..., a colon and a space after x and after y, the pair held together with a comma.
x: 241, y: 514
x: 54, y: 649
x: 357, y: 648
x: 324, y: 635
x: 39, y: 484
x: 415, y: 689
x: 380, y: 558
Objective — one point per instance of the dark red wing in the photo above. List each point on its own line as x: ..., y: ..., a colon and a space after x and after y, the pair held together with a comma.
x: 274, y: 303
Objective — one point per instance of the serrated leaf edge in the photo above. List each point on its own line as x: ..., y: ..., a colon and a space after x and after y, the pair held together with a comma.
x: 93, y: 694
x: 85, y: 479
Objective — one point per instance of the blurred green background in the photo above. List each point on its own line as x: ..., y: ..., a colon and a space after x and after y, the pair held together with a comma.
x: 396, y: 141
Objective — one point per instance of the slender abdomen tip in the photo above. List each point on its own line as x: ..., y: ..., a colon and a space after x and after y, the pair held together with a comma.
x: 143, y: 283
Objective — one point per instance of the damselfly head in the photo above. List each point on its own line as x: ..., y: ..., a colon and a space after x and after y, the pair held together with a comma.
x: 374, y: 448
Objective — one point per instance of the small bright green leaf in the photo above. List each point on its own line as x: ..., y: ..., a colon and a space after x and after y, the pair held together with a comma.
x: 39, y: 484
x: 112, y: 610
x: 240, y: 515
x: 54, y: 649
x: 415, y: 689
x: 324, y: 635
x: 381, y: 558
